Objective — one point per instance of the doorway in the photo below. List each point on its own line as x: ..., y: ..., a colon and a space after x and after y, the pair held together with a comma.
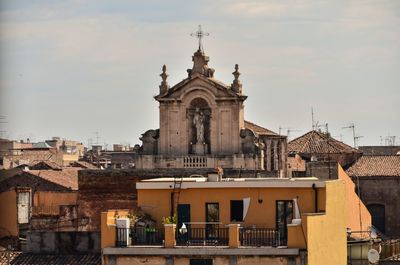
x: 284, y: 216
x: 183, y: 218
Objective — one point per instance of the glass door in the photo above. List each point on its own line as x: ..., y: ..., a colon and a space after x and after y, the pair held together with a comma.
x: 284, y: 216
x: 212, y: 216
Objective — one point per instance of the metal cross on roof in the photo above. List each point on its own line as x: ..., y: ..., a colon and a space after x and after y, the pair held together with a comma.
x: 200, y: 34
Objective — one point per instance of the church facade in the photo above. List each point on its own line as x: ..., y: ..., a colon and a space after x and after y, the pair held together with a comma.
x: 202, y: 125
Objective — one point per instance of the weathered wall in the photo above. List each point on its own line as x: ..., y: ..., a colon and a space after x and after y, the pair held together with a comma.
x: 385, y: 191
x: 51, y: 198
x: 357, y: 215
x: 63, y: 242
x: 8, y: 214
x: 157, y: 202
x: 100, y: 191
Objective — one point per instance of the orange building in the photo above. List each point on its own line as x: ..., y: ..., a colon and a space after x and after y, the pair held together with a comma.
x: 34, y: 193
x: 237, y: 221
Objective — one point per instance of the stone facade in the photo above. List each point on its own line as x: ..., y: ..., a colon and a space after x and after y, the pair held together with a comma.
x: 202, y: 126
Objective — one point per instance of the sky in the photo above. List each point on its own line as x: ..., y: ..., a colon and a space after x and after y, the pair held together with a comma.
x: 89, y: 69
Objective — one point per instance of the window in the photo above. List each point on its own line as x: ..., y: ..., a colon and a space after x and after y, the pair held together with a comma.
x: 378, y: 216
x: 212, y: 212
x: 237, y: 211
x: 201, y: 262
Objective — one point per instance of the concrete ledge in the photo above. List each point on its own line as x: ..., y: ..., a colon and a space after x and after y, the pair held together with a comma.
x: 200, y: 251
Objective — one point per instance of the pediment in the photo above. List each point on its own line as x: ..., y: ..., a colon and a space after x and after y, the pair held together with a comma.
x: 217, y: 88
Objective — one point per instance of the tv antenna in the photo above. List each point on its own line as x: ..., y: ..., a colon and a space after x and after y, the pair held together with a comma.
x: 355, y: 138
x: 97, y: 137
x: 288, y: 131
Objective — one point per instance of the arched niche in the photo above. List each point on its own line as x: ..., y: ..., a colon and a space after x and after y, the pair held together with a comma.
x: 199, y: 114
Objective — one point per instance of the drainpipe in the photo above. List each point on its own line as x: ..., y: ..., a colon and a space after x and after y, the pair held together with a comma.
x: 314, y: 187
x: 172, y: 204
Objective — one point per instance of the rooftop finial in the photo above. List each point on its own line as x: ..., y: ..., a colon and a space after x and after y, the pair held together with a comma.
x: 164, y: 84
x: 200, y: 34
x: 236, y: 85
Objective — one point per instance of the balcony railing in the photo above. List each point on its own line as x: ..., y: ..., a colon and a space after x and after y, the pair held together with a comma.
x: 199, y: 236
x: 139, y: 236
x: 257, y: 237
x: 147, y: 236
x: 208, y: 236
x: 390, y: 248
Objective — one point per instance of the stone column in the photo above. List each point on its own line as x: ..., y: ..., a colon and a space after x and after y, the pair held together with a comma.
x: 234, y: 241
x: 169, y: 240
x: 268, y: 142
x: 276, y: 160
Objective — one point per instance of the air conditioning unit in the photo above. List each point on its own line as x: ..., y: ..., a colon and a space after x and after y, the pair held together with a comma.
x: 123, y: 231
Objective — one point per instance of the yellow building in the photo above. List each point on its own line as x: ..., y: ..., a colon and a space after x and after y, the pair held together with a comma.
x: 238, y: 221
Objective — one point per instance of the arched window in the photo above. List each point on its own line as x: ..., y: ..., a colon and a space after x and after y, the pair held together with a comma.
x: 377, y: 212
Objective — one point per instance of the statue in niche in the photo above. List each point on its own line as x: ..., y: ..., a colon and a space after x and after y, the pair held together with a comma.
x: 198, y: 121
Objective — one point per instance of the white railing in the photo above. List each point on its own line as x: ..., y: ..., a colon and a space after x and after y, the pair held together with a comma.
x: 195, y: 162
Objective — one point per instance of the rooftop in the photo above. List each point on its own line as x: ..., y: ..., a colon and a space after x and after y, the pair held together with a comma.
x: 67, y: 178
x: 376, y: 166
x: 202, y: 182
x: 258, y: 129
x: 319, y: 143
x: 39, y: 259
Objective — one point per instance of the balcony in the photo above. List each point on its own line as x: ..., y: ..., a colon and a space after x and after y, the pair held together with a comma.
x: 139, y: 236
x: 208, y: 236
x: 260, y: 237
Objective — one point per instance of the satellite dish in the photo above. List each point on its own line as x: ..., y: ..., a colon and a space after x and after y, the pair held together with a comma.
x: 373, y: 256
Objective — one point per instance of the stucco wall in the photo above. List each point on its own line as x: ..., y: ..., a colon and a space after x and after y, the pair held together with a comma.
x: 8, y: 214
x: 157, y: 202
x: 357, y: 215
x: 326, y: 233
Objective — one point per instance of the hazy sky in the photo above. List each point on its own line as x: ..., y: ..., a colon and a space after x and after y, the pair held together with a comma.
x: 73, y: 68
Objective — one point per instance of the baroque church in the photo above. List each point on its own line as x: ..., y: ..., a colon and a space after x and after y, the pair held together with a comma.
x: 202, y: 125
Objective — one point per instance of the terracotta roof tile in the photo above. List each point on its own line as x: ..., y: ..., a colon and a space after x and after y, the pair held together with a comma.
x: 376, y: 166
x: 20, y: 258
x: 84, y: 164
x: 258, y: 129
x: 66, y: 178
x: 318, y: 143
x: 48, y: 163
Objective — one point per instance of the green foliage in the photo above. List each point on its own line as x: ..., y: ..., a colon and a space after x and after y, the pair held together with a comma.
x: 169, y: 220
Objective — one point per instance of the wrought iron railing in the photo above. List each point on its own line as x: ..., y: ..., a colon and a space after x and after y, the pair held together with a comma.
x: 139, y: 236
x: 208, y: 236
x: 257, y: 237
x: 147, y: 236
x: 390, y: 248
